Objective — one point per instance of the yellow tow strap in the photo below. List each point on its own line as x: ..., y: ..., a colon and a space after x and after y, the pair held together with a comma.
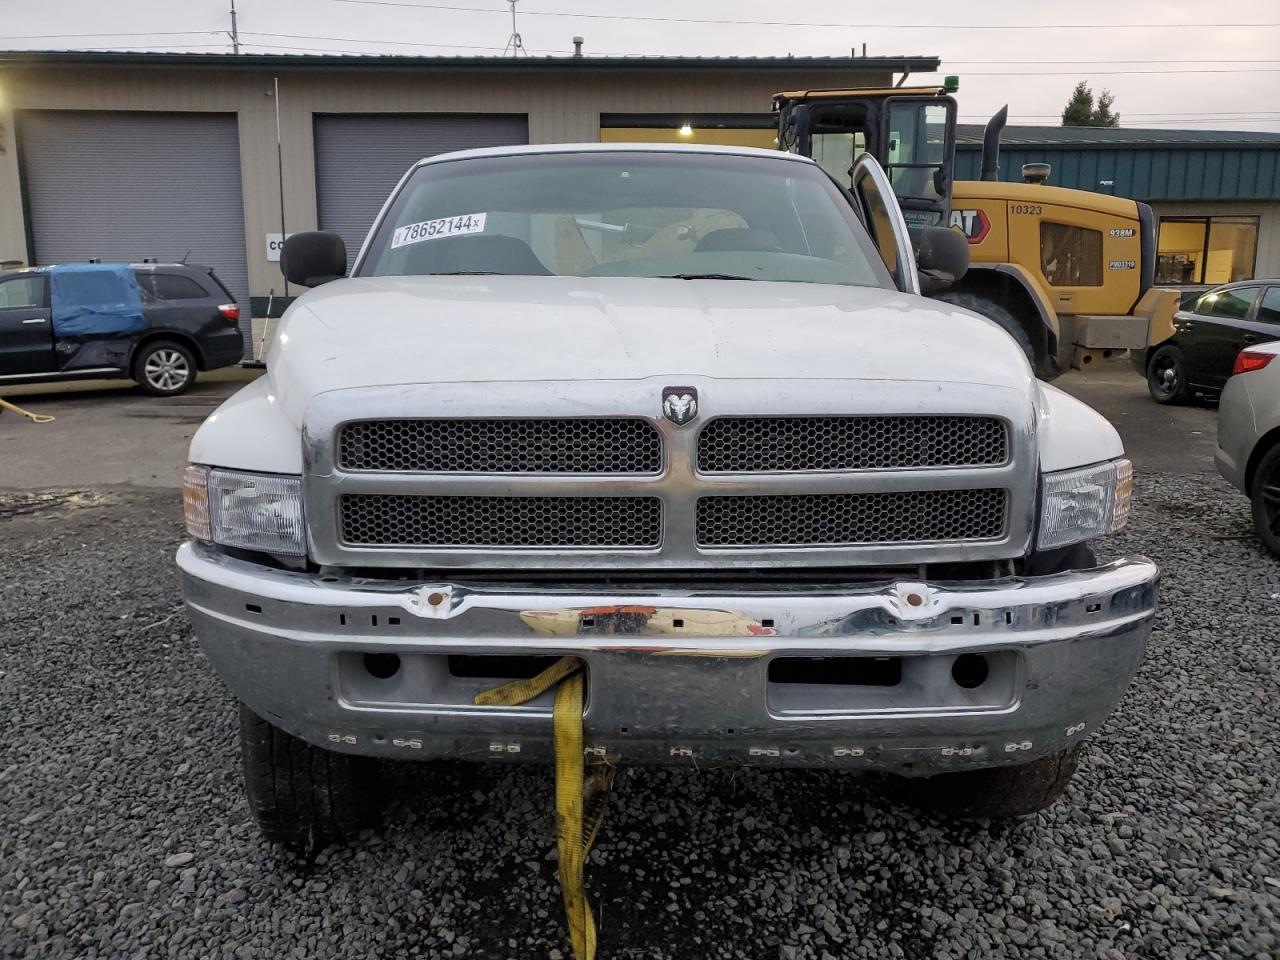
x: 33, y: 417
x: 580, y: 799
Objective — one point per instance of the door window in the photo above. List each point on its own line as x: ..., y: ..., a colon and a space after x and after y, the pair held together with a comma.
x: 32, y: 291
x: 1231, y: 304
x: 1269, y: 308
x: 916, y: 151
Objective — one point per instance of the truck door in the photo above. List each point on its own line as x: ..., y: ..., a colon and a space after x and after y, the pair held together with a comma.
x: 884, y: 220
x: 26, y: 325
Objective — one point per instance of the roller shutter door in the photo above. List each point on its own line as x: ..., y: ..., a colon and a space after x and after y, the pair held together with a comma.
x: 359, y: 159
x: 125, y: 186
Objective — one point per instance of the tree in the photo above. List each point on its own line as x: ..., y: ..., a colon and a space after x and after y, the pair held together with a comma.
x: 1102, y: 116
x: 1079, y: 109
x: 1081, y: 112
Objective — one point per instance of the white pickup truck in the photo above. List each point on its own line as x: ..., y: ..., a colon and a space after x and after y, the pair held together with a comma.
x: 680, y: 413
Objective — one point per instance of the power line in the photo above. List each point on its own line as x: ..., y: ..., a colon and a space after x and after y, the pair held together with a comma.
x: 81, y: 36
x: 397, y: 43
x: 1109, y: 73
x: 792, y: 23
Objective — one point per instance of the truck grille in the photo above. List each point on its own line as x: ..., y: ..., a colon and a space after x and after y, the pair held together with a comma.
x: 849, y: 519
x: 543, y: 445
x: 782, y: 444
x: 385, y: 520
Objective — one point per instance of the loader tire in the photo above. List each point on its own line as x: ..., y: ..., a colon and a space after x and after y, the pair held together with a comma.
x: 995, y: 312
x: 302, y: 796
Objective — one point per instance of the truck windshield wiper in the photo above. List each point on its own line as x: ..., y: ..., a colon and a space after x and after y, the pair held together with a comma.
x: 467, y: 273
x: 704, y: 276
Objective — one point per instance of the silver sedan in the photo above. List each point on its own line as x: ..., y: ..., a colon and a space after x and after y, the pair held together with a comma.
x: 1249, y: 436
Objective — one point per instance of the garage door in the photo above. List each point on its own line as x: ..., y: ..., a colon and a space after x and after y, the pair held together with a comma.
x: 359, y: 159
x: 124, y: 186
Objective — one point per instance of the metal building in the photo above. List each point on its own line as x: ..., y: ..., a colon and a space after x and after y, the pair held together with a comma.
x: 1216, y: 192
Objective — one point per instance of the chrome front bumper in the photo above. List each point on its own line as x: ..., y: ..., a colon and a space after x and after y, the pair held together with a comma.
x: 683, y: 676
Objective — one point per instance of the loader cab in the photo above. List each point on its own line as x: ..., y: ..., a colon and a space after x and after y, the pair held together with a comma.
x: 911, y: 132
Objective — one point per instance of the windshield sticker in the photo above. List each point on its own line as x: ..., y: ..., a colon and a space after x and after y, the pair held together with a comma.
x: 435, y: 229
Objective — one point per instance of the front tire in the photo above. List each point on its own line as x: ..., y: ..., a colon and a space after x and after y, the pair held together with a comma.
x: 302, y: 796
x: 1266, y: 499
x: 993, y: 311
x: 1167, y: 375
x: 164, y: 368
x: 996, y: 793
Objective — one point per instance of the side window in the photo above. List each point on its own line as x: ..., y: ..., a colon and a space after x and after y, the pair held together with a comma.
x: 1070, y: 256
x: 1230, y: 304
x: 1269, y: 308
x: 165, y: 286
x: 32, y: 291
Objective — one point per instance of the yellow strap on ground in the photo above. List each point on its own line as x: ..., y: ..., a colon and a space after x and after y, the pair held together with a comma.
x: 580, y: 800
x: 33, y: 417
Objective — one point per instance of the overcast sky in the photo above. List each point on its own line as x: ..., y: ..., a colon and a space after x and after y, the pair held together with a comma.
x: 1173, y: 70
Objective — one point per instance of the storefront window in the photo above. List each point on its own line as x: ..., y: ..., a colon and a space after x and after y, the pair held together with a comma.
x: 1209, y: 250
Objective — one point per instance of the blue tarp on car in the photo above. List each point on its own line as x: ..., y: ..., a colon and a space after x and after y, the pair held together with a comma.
x: 91, y: 299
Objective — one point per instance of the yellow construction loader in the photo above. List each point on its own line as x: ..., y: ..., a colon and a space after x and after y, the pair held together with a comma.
x: 1068, y: 273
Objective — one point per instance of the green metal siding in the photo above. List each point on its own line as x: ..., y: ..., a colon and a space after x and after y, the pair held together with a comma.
x: 1155, y: 173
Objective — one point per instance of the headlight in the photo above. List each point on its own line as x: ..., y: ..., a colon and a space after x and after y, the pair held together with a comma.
x: 254, y: 511
x: 1085, y: 503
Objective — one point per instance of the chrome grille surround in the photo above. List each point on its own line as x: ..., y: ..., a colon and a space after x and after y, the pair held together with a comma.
x: 502, y: 445
x: 397, y: 520
x: 847, y: 519
x: 784, y: 444
x: 679, y: 486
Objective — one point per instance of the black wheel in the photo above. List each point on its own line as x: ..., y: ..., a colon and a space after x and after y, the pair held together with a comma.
x: 997, y: 793
x: 1266, y: 499
x: 302, y: 796
x: 1167, y: 375
x: 164, y: 368
x: 993, y: 311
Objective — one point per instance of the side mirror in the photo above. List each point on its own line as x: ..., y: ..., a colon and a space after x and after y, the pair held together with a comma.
x: 942, y: 256
x: 314, y: 257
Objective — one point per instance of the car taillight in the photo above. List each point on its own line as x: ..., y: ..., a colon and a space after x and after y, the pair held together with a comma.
x: 230, y: 311
x: 1249, y: 360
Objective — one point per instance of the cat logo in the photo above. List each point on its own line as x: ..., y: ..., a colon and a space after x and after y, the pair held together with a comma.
x: 974, y: 224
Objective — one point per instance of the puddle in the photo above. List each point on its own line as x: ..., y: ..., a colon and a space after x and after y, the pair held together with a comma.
x: 59, y: 501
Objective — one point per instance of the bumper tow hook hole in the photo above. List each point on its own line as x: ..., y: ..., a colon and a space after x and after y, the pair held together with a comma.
x: 970, y: 670
x: 383, y: 666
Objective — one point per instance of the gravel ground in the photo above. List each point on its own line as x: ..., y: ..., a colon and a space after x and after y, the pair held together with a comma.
x: 123, y: 832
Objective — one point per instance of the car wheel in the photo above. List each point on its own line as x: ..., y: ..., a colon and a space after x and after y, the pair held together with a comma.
x: 993, y: 311
x: 1266, y: 499
x: 164, y: 368
x: 1167, y: 375
x: 302, y: 796
x: 996, y: 793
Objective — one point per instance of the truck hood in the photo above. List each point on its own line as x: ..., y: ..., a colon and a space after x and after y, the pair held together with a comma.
x: 412, y: 330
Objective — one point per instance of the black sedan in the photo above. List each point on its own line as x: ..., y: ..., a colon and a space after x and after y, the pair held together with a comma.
x: 1207, y: 335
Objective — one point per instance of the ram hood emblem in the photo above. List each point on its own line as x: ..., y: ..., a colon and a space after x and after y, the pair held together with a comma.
x: 680, y: 404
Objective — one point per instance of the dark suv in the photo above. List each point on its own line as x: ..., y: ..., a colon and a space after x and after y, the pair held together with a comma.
x: 157, y: 323
x: 1207, y: 335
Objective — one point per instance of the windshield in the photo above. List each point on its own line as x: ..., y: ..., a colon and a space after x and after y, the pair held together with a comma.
x: 624, y: 214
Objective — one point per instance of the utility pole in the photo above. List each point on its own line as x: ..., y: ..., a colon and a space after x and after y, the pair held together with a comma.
x: 514, y: 43
x: 235, y: 33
